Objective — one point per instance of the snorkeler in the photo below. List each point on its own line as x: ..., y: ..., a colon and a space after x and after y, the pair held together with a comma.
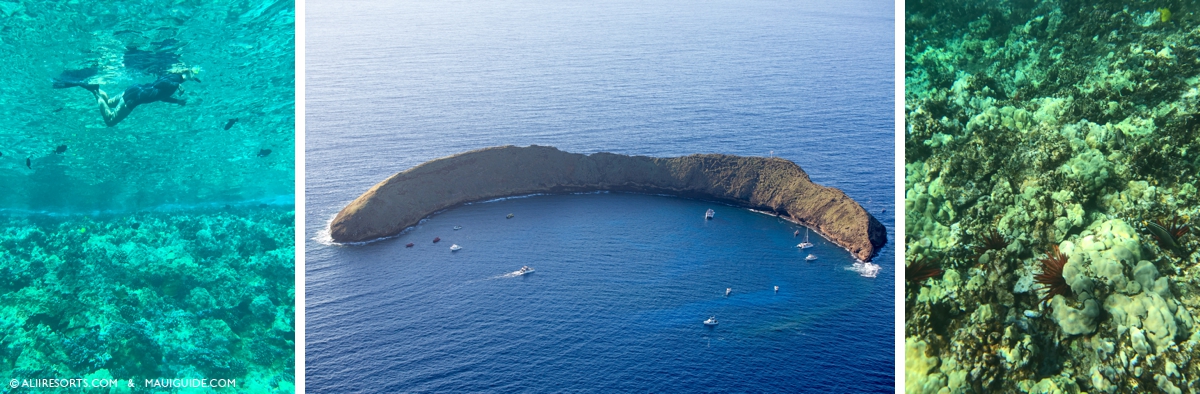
x: 115, y: 109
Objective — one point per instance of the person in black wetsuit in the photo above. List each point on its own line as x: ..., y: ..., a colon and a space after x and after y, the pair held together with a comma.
x: 115, y: 109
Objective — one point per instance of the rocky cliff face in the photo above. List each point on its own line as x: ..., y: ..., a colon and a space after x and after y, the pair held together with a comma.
x: 767, y: 184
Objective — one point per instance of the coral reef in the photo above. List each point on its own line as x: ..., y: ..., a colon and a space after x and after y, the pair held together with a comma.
x: 150, y: 295
x: 1051, y: 168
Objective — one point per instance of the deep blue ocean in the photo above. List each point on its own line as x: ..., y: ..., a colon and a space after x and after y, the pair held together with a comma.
x: 622, y: 281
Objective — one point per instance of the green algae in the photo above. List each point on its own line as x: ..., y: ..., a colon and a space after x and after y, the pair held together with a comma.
x: 149, y: 296
x: 1054, y: 123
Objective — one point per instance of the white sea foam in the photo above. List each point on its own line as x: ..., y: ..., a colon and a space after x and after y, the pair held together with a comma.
x: 866, y: 269
x: 505, y: 198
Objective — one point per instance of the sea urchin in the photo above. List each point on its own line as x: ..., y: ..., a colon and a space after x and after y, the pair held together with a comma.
x: 920, y: 270
x: 991, y: 241
x: 1052, y: 275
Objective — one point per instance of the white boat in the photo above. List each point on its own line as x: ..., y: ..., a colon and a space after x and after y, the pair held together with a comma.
x: 456, y: 228
x: 811, y: 257
x: 524, y: 270
x: 776, y: 289
x: 709, y: 214
x: 712, y: 321
x: 455, y: 248
x: 728, y: 290
x: 805, y: 244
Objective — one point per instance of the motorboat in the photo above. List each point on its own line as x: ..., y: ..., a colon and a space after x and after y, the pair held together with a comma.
x: 728, y: 290
x: 796, y: 234
x: 709, y: 214
x: 510, y: 216
x: 410, y: 244
x: 776, y: 289
x: 436, y: 239
x: 805, y: 244
x: 811, y: 257
x: 456, y: 228
x: 455, y: 248
x: 524, y: 270
x: 712, y: 321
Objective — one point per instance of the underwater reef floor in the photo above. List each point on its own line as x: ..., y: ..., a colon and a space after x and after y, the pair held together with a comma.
x: 202, y: 294
x: 1051, y: 196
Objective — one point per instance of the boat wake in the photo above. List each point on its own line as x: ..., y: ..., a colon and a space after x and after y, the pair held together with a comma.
x: 513, y: 274
x: 865, y: 269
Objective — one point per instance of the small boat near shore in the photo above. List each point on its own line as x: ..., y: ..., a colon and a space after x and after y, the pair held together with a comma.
x: 728, y: 290
x: 410, y: 244
x: 712, y: 321
x: 710, y: 214
x: 811, y: 257
x: 455, y: 248
x: 524, y: 270
x: 510, y: 216
x: 436, y: 239
x: 456, y: 228
x: 776, y: 289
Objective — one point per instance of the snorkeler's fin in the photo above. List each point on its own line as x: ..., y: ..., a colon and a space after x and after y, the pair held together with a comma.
x: 63, y: 84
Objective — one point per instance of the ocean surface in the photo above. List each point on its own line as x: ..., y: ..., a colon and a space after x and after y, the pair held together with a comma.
x: 622, y: 282
x: 161, y: 247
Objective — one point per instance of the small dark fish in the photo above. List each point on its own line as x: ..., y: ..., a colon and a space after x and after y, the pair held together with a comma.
x: 436, y: 239
x: 410, y: 244
x: 264, y: 152
x: 60, y: 149
x: 230, y: 123
x: 1, y: 154
x: 58, y: 110
x: 28, y: 163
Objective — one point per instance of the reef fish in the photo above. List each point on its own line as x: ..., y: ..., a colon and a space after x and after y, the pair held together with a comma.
x: 28, y: 163
x: 264, y: 152
x: 230, y: 123
x: 60, y: 149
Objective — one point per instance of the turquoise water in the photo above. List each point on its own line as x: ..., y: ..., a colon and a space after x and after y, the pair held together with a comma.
x: 161, y: 247
x: 162, y: 154
x: 623, y: 282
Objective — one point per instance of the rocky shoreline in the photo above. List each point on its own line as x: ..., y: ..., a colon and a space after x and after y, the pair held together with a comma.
x: 771, y: 185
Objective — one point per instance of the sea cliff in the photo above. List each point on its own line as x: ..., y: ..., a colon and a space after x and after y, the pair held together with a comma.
x: 767, y: 184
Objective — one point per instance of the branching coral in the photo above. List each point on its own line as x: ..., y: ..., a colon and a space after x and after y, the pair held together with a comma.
x: 1052, y: 275
x: 920, y: 270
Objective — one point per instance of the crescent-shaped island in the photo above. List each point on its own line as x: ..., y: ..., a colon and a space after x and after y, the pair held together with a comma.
x: 772, y: 185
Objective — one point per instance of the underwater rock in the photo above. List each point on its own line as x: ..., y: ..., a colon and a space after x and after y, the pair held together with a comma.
x: 767, y: 184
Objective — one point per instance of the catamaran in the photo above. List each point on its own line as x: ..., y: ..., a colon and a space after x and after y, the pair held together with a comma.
x: 805, y: 244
